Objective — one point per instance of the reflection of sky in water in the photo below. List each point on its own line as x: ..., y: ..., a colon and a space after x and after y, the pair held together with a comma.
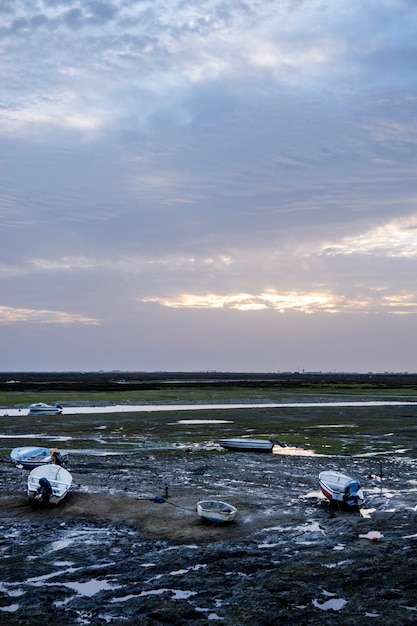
x: 334, y: 604
x: 90, y: 587
x: 202, y: 422
x: 177, y: 594
x: 148, y: 408
x: 332, y: 426
x: 12, y: 608
x: 294, y: 451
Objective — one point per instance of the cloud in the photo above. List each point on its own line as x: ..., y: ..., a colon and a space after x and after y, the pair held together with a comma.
x: 396, y: 239
x: 307, y: 303
x: 99, y: 62
x: 11, y: 315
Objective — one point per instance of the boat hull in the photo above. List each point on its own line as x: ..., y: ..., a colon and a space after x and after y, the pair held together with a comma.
x: 216, y: 511
x: 44, y: 409
x: 247, y: 445
x: 58, y: 477
x: 342, y: 489
x: 30, y: 457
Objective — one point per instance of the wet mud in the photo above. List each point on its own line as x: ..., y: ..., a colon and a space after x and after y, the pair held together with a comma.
x: 113, y: 553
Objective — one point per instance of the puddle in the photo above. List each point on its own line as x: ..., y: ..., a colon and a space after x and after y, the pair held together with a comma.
x: 338, y: 564
x: 294, y: 451
x: 188, y: 422
x: 90, y: 587
x: 311, y: 527
x: 315, y: 494
x: 332, y: 426
x: 12, y: 608
x: 334, y: 604
x: 177, y: 594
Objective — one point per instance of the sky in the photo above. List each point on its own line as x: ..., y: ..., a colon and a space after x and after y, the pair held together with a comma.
x: 208, y: 185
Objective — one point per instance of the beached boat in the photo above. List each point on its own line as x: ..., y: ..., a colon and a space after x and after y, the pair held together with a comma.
x: 216, y: 511
x: 48, y: 484
x: 338, y: 487
x: 245, y: 444
x: 43, y: 408
x: 30, y: 457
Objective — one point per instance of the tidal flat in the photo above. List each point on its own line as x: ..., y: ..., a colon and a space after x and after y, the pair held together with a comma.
x: 115, y: 552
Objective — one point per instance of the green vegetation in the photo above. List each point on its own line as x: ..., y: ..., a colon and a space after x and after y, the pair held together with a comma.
x: 332, y: 430
x: 206, y: 394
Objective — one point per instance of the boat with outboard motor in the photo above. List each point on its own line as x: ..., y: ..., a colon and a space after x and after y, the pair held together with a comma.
x: 30, y: 457
x: 48, y: 484
x: 340, y: 488
x: 44, y: 409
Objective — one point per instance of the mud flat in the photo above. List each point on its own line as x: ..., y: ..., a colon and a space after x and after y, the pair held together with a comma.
x: 127, y: 547
x: 110, y: 553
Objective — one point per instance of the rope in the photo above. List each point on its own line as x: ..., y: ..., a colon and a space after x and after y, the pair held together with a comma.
x: 163, y: 499
x: 178, y: 506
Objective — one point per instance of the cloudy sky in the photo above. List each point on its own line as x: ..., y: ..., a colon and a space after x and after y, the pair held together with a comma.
x: 208, y: 185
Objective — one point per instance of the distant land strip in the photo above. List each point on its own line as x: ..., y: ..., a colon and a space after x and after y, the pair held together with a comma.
x: 114, y: 380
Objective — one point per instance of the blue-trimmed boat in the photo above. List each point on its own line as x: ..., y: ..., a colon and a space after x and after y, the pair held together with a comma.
x: 41, y: 408
x: 30, y: 457
x: 338, y: 487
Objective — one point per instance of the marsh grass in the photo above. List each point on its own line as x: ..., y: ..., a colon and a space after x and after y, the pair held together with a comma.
x: 333, y: 430
x: 210, y: 394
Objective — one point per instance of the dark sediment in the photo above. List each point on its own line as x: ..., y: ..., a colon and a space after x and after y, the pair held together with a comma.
x: 287, y: 558
x: 111, y: 554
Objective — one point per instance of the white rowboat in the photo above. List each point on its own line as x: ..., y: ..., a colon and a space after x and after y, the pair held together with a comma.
x: 58, y: 478
x: 216, y: 511
x: 244, y: 444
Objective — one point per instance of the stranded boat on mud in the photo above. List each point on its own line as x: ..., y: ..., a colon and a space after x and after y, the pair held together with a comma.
x: 244, y: 444
x: 48, y: 484
x: 216, y: 511
x: 30, y: 457
x: 338, y: 487
x: 43, y: 409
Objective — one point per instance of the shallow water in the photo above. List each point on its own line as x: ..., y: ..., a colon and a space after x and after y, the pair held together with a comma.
x: 150, y: 408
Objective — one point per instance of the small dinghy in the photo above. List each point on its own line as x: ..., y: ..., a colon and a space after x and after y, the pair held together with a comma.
x: 338, y: 487
x: 215, y: 511
x: 245, y: 444
x: 48, y: 484
x: 43, y: 409
x: 30, y: 457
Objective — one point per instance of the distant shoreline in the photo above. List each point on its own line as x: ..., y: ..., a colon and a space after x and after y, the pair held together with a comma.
x: 119, y: 380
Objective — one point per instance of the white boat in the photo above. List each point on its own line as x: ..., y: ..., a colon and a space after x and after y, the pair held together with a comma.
x: 43, y: 408
x: 30, y: 457
x: 338, y: 487
x: 48, y: 484
x: 216, y: 511
x: 245, y: 444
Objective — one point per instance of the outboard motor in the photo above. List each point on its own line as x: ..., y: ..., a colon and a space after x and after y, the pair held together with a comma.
x: 44, y: 491
x: 57, y: 457
x: 352, y: 495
